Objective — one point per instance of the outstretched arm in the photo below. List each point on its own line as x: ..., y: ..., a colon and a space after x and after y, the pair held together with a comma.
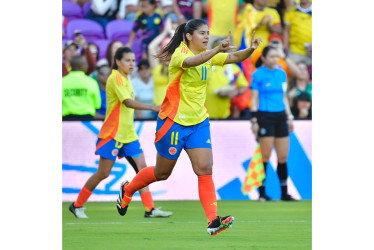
x: 241, y: 55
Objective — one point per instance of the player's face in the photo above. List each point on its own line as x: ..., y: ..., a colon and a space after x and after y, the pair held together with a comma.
x: 271, y: 59
x: 200, y: 37
x: 127, y: 63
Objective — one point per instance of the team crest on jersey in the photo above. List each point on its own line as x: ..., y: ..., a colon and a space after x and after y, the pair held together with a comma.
x: 115, y: 152
x: 172, y: 150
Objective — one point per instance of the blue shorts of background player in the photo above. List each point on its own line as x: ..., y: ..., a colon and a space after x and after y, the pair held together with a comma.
x: 178, y: 136
x: 110, y: 149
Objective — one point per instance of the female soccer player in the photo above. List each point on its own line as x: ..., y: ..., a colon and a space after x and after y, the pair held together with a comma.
x: 183, y: 120
x: 272, y: 119
x: 117, y: 136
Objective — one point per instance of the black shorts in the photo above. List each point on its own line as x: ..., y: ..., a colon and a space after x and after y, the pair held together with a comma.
x: 272, y: 124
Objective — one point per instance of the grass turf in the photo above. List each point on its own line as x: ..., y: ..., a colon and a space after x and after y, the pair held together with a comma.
x: 258, y: 225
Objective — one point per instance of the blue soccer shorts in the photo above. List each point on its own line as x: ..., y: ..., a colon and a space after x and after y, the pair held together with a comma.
x: 172, y: 137
x: 110, y: 149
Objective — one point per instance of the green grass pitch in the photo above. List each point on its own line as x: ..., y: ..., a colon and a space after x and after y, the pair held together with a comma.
x: 258, y: 225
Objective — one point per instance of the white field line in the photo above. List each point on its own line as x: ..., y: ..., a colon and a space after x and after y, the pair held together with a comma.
x: 173, y: 222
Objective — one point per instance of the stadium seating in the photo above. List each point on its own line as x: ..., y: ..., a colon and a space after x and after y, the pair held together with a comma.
x: 72, y: 10
x: 103, y: 45
x: 119, y: 30
x: 91, y: 30
x: 86, y: 8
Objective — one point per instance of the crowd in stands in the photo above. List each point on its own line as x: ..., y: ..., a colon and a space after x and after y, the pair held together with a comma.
x: 92, y: 31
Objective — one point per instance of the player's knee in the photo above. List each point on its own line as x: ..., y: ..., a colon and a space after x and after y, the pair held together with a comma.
x: 162, y: 176
x: 204, y: 169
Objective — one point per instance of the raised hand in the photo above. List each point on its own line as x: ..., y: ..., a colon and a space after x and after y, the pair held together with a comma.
x: 224, y: 45
x: 255, y: 42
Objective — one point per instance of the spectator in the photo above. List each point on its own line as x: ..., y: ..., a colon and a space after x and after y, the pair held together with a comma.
x: 143, y: 88
x: 187, y: 9
x: 131, y: 9
x: 103, y: 72
x: 80, y: 93
x: 302, y: 83
x: 94, y: 50
x: 221, y: 19
x: 284, y: 62
x: 161, y: 80
x: 104, y: 11
x: 166, y: 6
x: 111, y: 50
x: 263, y: 19
x: 73, y: 48
x: 225, y: 83
x: 302, y: 107
x: 149, y: 22
x: 298, y: 32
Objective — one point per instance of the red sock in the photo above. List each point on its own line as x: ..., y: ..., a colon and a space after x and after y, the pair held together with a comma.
x: 147, y: 200
x: 145, y: 177
x: 207, y: 194
x: 83, y: 196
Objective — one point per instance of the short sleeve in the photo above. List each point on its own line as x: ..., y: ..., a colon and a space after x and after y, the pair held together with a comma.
x: 219, y: 59
x: 121, y: 89
x: 136, y: 25
x: 179, y: 56
x: 255, y: 81
x: 288, y: 17
x: 276, y: 19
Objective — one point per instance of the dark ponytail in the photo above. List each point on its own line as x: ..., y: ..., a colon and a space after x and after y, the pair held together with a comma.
x: 119, y: 54
x: 179, y: 36
x: 265, y: 51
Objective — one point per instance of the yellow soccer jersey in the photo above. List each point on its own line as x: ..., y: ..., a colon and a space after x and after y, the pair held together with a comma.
x: 219, y: 107
x: 222, y: 16
x: 300, y: 28
x: 119, y: 119
x: 184, y: 102
x: 160, y: 84
x: 263, y: 30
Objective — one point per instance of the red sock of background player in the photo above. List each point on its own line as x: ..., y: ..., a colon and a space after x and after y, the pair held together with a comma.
x: 207, y: 195
x: 83, y: 196
x: 145, y: 177
x: 147, y: 201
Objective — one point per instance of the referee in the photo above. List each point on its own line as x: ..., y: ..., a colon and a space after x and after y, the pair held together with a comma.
x: 271, y: 116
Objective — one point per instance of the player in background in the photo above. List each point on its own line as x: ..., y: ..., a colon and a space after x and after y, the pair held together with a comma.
x: 183, y: 120
x: 117, y: 136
